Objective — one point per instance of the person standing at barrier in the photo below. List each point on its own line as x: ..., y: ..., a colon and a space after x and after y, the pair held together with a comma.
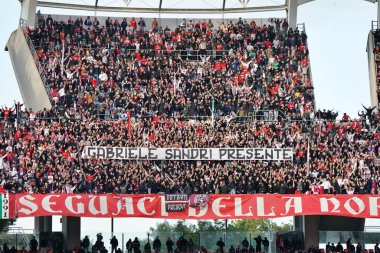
x: 266, y: 244
x: 114, y: 243
x: 157, y: 245
x: 348, y: 244
x: 169, y: 245
x: 245, y: 243
x: 258, y: 243
x: 43, y: 245
x: 86, y: 243
x: 33, y: 245
x: 147, y: 248
x: 6, y: 248
x: 136, y: 245
x: 328, y: 247
x: 359, y: 248
x: 191, y: 246
x: 377, y: 248
x: 339, y: 247
x: 129, y: 246
x: 221, y: 244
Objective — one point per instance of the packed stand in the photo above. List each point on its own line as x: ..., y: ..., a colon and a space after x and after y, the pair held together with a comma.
x: 193, y: 70
x: 41, y: 154
x: 124, y: 71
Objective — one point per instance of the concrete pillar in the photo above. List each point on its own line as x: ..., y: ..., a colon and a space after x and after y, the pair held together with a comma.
x: 71, y: 232
x: 298, y: 223
x: 372, y: 68
x: 28, y: 12
x: 378, y: 12
x: 309, y: 225
x: 311, y: 231
x: 42, y: 224
x: 292, y: 13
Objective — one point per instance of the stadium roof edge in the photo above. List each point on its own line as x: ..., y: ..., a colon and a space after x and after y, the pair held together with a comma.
x: 160, y: 9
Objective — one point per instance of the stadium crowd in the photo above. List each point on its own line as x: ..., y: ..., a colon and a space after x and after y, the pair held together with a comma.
x: 238, y: 67
x: 45, y: 156
x: 123, y: 69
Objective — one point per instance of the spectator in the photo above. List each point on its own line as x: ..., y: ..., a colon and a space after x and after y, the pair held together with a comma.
x: 220, y: 244
x: 377, y: 248
x: 245, y: 243
x: 147, y: 248
x: 169, y: 245
x: 266, y: 245
x: 6, y: 248
x: 99, y: 244
x: 157, y: 245
x: 114, y: 243
x: 136, y: 245
x: 359, y: 248
x: 339, y: 247
x: 129, y: 246
x: 258, y: 243
x: 33, y: 245
x: 328, y: 248
x: 191, y: 246
x: 86, y: 243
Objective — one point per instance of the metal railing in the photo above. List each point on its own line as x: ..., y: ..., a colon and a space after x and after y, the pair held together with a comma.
x: 259, y: 115
x: 39, y: 66
x: 188, y: 54
x: 19, y: 236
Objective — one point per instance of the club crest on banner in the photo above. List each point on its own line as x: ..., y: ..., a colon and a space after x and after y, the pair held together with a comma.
x: 198, y: 200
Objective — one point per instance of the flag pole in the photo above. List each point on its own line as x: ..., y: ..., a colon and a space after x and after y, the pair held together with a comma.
x: 212, y: 111
x: 63, y: 56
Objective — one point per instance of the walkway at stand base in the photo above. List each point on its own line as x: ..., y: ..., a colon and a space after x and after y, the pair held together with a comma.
x: 308, y: 226
x: 314, y: 212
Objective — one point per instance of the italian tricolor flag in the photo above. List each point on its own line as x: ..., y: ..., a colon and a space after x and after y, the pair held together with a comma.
x: 4, y: 210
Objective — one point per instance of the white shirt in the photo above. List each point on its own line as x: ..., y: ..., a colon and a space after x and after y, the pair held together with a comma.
x: 2, y: 161
x: 326, y: 185
x: 103, y: 77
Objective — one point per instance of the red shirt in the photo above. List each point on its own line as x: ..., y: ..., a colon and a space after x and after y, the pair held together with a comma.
x: 133, y: 23
x: 7, y: 112
x: 218, y: 66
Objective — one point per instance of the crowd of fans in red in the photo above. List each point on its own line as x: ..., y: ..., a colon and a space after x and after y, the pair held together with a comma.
x: 179, y: 94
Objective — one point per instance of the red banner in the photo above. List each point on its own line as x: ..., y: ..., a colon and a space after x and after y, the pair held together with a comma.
x: 215, y: 207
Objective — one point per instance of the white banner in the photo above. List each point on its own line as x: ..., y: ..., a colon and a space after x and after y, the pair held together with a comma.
x: 203, y: 154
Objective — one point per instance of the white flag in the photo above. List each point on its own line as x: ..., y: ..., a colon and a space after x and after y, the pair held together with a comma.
x: 175, y: 83
x: 61, y: 92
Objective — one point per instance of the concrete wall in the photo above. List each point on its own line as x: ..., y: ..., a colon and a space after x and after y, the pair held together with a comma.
x: 28, y: 78
x: 372, y: 69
